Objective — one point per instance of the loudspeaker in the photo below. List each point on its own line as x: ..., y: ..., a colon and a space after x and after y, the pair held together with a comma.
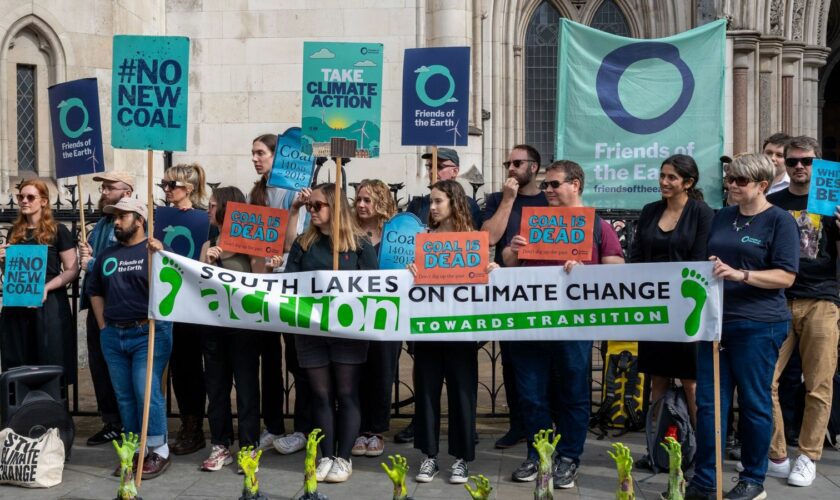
x: 34, y: 399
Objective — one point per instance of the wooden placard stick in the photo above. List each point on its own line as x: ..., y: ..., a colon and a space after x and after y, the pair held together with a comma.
x: 81, y: 209
x: 434, y: 164
x: 718, y: 451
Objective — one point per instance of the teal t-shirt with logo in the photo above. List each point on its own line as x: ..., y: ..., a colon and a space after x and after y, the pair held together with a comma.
x: 120, y: 276
x: 770, y: 240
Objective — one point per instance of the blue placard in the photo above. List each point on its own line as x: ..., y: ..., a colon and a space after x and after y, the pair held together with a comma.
x: 292, y: 168
x: 76, y: 128
x: 184, y: 231
x: 824, y: 192
x: 149, y: 92
x: 397, y: 248
x: 25, y: 275
x: 436, y: 89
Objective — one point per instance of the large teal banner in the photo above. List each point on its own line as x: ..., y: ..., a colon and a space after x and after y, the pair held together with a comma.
x: 624, y: 105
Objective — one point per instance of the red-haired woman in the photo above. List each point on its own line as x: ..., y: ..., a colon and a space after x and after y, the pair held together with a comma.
x: 43, y: 335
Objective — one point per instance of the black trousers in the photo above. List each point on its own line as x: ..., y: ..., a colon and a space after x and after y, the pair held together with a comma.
x: 511, y: 391
x: 232, y: 356
x: 271, y: 371
x: 377, y: 385
x: 457, y: 363
x: 106, y: 400
x: 187, y: 369
x: 303, y: 392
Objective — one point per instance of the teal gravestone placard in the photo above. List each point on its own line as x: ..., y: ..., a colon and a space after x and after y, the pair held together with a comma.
x: 149, y: 92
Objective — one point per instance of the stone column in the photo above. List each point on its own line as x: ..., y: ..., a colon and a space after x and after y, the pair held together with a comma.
x: 791, y: 76
x: 769, y: 115
x: 744, y: 90
x: 814, y: 58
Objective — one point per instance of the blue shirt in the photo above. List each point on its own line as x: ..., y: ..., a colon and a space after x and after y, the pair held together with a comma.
x: 100, y: 238
x: 770, y: 241
x: 493, y: 201
x: 121, y: 278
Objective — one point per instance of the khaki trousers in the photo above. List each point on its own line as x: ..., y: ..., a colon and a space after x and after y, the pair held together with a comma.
x: 814, y: 326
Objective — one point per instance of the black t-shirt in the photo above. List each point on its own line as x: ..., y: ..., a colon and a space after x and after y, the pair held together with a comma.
x: 63, y: 240
x: 420, y: 206
x: 120, y: 276
x: 319, y: 257
x: 770, y: 241
x: 818, y: 235
x: 492, y: 204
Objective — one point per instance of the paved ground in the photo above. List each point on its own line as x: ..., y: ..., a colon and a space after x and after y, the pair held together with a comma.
x: 87, y: 475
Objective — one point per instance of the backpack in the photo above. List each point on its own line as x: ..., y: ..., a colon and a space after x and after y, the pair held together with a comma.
x: 668, y: 416
x: 622, y: 395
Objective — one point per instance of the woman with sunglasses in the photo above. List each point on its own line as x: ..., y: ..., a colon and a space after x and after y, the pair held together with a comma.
x: 333, y: 365
x: 44, y: 335
x: 673, y: 229
x: 271, y: 347
x: 454, y: 362
x: 374, y: 205
x: 230, y: 354
x: 755, y: 248
x: 184, y: 186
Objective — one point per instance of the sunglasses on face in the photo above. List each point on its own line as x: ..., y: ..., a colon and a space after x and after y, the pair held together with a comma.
x: 806, y: 162
x: 28, y: 197
x: 316, y: 206
x: 171, y: 185
x: 515, y: 163
x: 554, y: 184
x: 739, y: 181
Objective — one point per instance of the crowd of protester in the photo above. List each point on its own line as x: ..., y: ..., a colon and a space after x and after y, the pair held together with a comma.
x: 778, y: 263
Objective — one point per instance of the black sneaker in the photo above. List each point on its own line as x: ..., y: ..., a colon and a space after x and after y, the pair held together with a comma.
x: 406, y: 435
x: 527, y: 471
x: 643, y: 463
x: 565, y: 473
x: 509, y: 440
x: 746, y: 490
x: 693, y: 492
x: 108, y: 433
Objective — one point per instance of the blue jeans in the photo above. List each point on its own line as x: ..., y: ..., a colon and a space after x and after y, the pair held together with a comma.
x: 125, y: 351
x: 749, y: 350
x: 558, y: 371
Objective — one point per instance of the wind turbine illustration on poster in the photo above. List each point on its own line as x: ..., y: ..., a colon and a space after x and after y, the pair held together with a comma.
x: 455, y: 132
x: 362, y: 134
x: 93, y: 160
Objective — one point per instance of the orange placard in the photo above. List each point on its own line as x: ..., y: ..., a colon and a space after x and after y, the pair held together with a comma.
x: 451, y: 258
x: 253, y: 229
x: 557, y: 233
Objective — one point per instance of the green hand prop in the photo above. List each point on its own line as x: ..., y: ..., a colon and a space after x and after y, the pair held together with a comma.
x: 545, y: 445
x: 310, y: 483
x: 624, y: 462
x: 249, y: 462
x: 127, y: 489
x: 482, y: 488
x: 676, y: 482
x: 397, y: 472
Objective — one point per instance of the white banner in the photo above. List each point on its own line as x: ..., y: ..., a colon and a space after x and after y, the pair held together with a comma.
x: 676, y: 302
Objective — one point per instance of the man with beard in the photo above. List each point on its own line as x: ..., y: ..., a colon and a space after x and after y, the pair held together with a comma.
x: 119, y: 298
x: 559, y: 372
x: 115, y: 185
x: 502, y: 216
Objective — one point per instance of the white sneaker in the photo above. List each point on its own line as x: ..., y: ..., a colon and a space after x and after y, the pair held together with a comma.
x: 460, y: 474
x: 341, y: 471
x: 781, y: 470
x: 267, y: 440
x: 324, y: 466
x: 360, y: 446
x: 428, y: 470
x: 290, y: 443
x: 803, y: 473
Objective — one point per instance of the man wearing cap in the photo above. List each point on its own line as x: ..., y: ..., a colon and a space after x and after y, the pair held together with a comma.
x: 447, y: 167
x: 115, y: 186
x: 119, y: 298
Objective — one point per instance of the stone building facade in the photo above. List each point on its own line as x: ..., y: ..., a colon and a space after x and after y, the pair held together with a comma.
x: 245, y: 74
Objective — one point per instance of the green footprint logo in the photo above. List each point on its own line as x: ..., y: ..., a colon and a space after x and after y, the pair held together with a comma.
x: 172, y: 274
x: 694, y: 287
